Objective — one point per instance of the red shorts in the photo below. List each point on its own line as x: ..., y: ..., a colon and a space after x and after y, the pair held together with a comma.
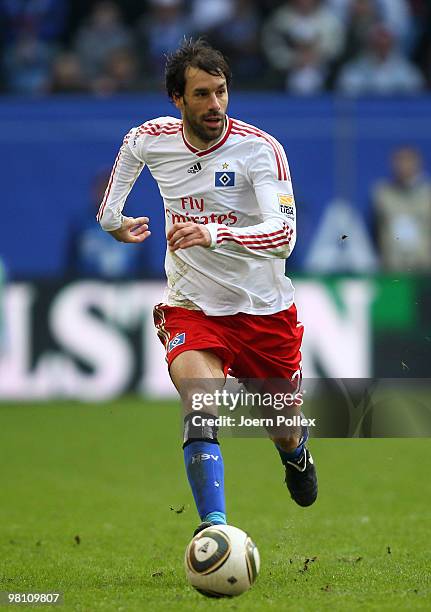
x: 250, y: 346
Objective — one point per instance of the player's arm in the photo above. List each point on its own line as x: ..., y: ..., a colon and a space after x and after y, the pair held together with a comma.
x: 275, y: 236
x: 127, y: 167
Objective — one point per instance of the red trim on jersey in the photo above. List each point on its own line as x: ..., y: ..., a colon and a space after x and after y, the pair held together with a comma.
x: 246, y: 236
x: 282, y: 173
x: 243, y: 129
x: 188, y: 145
x: 285, y: 228
x: 199, y: 152
x: 159, y: 132
x: 153, y: 128
x: 259, y: 246
x: 274, y: 142
x: 268, y: 242
x: 111, y: 178
x: 156, y: 129
x: 252, y: 239
x: 285, y: 164
x: 270, y: 246
x: 257, y: 241
x: 145, y: 128
x: 158, y: 126
x: 277, y: 157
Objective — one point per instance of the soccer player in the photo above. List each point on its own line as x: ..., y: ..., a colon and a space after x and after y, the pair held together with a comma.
x: 230, y: 225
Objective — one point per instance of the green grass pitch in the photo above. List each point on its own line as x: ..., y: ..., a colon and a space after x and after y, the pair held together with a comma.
x: 91, y: 499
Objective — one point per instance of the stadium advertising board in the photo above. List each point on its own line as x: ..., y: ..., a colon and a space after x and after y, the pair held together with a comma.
x: 95, y: 340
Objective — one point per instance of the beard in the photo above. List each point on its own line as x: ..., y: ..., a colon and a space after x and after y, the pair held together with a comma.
x: 203, y: 132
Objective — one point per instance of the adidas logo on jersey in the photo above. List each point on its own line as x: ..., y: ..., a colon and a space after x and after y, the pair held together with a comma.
x: 195, y: 168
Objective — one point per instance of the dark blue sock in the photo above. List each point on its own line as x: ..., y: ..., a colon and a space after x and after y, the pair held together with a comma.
x: 205, y: 471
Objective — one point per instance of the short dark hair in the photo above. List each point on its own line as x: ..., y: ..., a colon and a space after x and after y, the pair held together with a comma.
x: 197, y: 54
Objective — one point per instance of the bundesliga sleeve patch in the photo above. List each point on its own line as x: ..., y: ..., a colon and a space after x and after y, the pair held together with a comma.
x: 224, y: 179
x: 287, y: 205
x: 177, y: 341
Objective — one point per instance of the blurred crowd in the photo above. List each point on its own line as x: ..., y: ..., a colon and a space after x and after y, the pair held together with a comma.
x: 301, y: 46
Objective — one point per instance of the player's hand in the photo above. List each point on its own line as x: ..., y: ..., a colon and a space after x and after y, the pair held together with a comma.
x: 185, y: 235
x: 133, y: 229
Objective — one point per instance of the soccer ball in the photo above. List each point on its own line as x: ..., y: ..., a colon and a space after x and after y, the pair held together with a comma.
x: 222, y: 561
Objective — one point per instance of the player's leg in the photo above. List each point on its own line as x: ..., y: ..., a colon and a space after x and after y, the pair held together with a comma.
x: 300, y: 471
x: 195, y: 373
x: 289, y: 440
x: 275, y: 342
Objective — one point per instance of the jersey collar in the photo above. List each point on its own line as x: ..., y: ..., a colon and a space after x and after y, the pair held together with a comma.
x: 218, y: 144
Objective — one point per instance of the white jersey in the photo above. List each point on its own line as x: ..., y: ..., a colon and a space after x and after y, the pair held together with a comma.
x: 240, y: 188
